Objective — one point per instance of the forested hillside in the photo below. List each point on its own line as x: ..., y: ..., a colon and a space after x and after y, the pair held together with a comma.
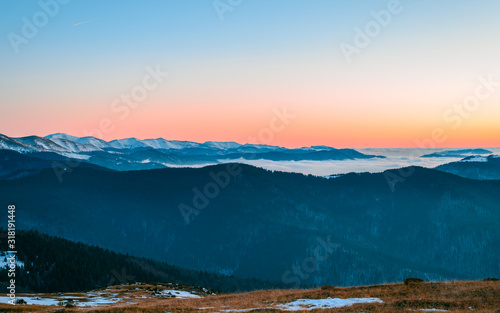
x: 51, y: 264
x: 300, y: 230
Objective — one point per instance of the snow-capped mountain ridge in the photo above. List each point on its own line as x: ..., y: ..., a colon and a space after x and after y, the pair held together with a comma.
x: 7, y: 143
x: 161, y: 143
x: 136, y: 154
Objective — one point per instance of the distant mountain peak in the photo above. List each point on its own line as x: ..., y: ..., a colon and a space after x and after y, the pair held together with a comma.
x: 457, y: 153
x: 62, y: 136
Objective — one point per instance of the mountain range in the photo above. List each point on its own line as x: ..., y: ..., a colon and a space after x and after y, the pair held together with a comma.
x: 236, y: 219
x: 135, y: 154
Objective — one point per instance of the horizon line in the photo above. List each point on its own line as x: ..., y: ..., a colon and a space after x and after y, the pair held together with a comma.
x: 259, y: 144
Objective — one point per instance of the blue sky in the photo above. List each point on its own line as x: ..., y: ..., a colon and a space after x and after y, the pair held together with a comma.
x: 263, y: 54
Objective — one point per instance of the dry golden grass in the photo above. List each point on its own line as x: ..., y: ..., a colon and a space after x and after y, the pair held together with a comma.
x: 463, y: 296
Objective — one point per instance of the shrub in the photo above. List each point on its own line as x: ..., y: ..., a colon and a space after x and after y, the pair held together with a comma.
x: 68, y: 304
x: 21, y: 301
x: 327, y: 287
x: 413, y: 281
x: 491, y: 279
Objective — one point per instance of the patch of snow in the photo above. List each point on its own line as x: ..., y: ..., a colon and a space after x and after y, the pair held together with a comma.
x: 30, y: 300
x: 312, y: 304
x: 98, y: 301
x: 90, y: 301
x: 433, y: 310
x: 71, y: 297
x: 179, y: 294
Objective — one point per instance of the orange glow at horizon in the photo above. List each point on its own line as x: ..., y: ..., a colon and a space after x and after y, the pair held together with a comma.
x: 307, y: 128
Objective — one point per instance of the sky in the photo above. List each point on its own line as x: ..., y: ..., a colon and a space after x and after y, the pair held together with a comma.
x: 353, y: 74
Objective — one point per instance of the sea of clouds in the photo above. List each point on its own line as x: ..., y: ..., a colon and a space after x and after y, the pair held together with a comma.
x: 394, y: 158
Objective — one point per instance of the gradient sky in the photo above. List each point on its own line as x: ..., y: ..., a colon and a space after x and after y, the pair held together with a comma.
x: 225, y: 77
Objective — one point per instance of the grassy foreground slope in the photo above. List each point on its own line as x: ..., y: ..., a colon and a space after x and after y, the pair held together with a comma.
x: 463, y: 296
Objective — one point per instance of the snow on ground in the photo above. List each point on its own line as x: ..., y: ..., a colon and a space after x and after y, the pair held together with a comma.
x: 32, y: 300
x: 475, y: 159
x: 179, y: 294
x: 244, y: 310
x: 124, y: 295
x: 90, y: 302
x: 97, y: 301
x: 311, y: 304
x: 95, y: 298
x: 433, y: 310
